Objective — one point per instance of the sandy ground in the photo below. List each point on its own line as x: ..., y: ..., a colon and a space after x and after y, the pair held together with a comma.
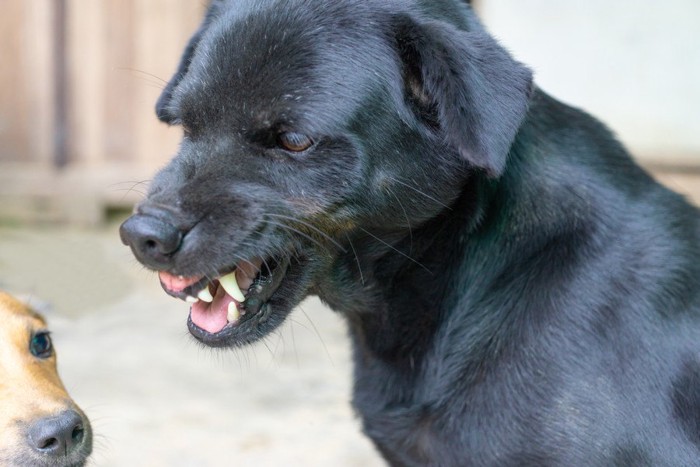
x: 154, y: 396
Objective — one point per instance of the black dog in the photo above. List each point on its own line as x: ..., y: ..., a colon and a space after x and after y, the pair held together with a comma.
x: 517, y: 290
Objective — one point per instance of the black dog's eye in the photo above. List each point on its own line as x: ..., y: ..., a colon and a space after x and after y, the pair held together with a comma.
x: 294, y: 142
x: 40, y: 345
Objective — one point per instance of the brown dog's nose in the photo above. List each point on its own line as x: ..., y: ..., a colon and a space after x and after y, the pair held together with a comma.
x: 60, y: 435
x: 152, y: 239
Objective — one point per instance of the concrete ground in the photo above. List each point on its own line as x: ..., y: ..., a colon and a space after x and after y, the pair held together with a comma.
x: 156, y: 398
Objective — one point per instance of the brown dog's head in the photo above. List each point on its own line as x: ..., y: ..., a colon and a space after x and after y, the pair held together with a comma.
x: 316, y: 134
x: 40, y: 425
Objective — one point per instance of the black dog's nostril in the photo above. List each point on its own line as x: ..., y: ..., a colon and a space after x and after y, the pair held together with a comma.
x: 60, y: 435
x: 152, y: 239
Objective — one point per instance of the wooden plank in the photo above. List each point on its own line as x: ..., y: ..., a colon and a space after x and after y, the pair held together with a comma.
x: 118, y: 81
x: 162, y: 30
x: 13, y: 89
x: 115, y: 49
x: 25, y: 83
x: 121, y: 52
x: 86, y: 50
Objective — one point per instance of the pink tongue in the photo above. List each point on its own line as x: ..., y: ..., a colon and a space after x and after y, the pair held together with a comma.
x: 177, y: 283
x: 212, y: 317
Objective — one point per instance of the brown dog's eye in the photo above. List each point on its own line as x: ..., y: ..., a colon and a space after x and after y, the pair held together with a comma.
x: 40, y: 346
x: 295, y: 142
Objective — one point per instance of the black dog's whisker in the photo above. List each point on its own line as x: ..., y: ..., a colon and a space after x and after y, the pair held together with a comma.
x: 133, y: 183
x: 357, y: 259
x: 158, y: 79
x: 150, y: 83
x: 419, y: 192
x: 246, y: 245
x: 310, y: 226
x: 408, y: 221
x: 418, y: 263
x: 267, y: 346
x: 130, y: 189
x: 292, y: 321
x: 298, y: 232
x: 320, y: 338
x: 210, y: 278
x: 267, y: 266
x: 247, y: 261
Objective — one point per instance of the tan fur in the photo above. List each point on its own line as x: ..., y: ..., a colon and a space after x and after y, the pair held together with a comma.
x: 30, y: 387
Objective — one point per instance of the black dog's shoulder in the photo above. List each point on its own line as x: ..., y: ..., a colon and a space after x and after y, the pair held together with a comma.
x: 566, y: 305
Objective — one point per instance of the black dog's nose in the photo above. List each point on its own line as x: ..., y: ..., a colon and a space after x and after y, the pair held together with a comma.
x: 60, y: 435
x: 151, y: 239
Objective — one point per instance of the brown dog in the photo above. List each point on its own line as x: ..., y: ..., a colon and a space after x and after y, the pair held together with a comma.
x: 40, y: 425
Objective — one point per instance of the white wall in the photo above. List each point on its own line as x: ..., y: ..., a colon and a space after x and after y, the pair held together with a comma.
x: 635, y: 64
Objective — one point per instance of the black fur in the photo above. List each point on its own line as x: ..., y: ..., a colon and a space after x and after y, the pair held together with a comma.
x: 517, y: 290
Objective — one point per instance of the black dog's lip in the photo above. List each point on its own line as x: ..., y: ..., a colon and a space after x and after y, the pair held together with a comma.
x: 256, y: 307
x: 193, y: 289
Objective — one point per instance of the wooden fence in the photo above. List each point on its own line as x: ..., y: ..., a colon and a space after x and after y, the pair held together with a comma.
x: 79, y: 82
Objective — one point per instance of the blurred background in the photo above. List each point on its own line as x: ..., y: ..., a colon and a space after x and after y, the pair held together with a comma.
x: 79, y: 142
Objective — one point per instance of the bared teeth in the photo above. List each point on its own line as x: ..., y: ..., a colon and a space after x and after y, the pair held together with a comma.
x: 191, y: 299
x: 230, y: 285
x: 233, y: 314
x: 205, y: 295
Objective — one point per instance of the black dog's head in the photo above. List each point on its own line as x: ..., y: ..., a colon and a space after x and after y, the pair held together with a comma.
x: 306, y: 123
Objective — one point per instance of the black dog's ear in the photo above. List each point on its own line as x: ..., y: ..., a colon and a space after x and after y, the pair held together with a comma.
x: 467, y: 86
x: 163, y: 105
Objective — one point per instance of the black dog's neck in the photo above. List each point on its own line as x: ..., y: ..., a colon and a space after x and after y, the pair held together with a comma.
x: 394, y: 286
x: 505, y: 233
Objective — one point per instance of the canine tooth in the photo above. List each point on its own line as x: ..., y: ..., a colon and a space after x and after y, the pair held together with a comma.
x: 230, y: 285
x: 205, y: 295
x: 233, y: 314
x: 191, y: 299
